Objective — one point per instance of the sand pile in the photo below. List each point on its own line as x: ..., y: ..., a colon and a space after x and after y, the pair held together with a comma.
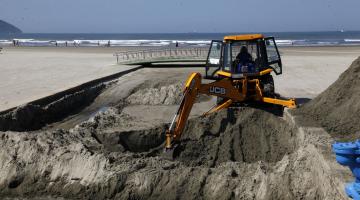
x: 337, y: 109
x: 233, y: 154
x: 240, y: 135
x: 158, y: 95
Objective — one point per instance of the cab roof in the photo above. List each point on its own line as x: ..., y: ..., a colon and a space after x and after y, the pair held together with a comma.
x: 244, y: 37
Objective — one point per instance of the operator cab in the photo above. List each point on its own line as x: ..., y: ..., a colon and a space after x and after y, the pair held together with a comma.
x: 242, y: 55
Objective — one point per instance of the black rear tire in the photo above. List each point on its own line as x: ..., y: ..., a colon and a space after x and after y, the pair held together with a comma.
x: 268, y: 86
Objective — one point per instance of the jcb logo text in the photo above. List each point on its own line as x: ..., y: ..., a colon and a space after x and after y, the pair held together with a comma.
x: 217, y: 90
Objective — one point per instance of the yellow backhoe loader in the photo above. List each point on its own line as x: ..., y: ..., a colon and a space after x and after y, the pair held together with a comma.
x: 240, y: 67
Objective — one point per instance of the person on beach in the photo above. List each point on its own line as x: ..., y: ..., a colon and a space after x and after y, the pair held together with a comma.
x: 66, y: 43
x: 14, y: 42
x: 176, y: 44
x: 108, y: 43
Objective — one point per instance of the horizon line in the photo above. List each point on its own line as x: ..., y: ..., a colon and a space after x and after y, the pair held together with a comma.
x: 239, y: 32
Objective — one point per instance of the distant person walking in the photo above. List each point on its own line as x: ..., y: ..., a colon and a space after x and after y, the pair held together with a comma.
x: 108, y: 43
x: 66, y: 43
x: 56, y: 44
x: 14, y: 42
x: 176, y: 44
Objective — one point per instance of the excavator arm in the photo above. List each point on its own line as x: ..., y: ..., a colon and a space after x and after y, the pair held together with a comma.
x: 192, y: 88
x: 178, y: 123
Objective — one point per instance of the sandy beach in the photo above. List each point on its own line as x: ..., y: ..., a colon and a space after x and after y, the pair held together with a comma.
x: 29, y: 73
x: 106, y: 141
x: 307, y: 71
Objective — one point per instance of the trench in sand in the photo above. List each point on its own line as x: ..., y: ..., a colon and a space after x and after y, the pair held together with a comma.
x: 239, y: 134
x: 73, y: 106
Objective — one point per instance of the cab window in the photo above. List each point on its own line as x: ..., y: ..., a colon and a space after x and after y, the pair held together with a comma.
x: 214, y: 53
x: 213, y: 61
x: 244, y: 55
x: 273, y: 56
x: 227, y: 57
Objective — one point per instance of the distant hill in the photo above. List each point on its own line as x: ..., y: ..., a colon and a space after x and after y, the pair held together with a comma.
x: 8, y: 28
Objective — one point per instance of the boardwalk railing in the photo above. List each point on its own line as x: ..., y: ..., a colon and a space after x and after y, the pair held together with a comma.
x: 169, y: 54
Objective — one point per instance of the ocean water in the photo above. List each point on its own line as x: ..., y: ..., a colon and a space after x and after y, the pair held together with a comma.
x: 331, y: 38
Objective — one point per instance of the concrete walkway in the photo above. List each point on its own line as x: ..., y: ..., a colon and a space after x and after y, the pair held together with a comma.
x: 30, y: 74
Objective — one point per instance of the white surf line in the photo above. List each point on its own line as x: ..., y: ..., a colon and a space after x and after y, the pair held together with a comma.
x: 319, y: 51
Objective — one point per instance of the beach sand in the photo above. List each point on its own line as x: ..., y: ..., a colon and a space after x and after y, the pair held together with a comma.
x: 307, y: 71
x: 112, y: 148
x: 29, y: 73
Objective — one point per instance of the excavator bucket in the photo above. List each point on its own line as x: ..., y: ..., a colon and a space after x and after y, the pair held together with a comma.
x: 170, y: 154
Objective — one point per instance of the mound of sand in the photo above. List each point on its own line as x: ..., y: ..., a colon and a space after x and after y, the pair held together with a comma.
x: 337, y: 109
x: 233, y: 154
x: 161, y: 95
x: 245, y: 135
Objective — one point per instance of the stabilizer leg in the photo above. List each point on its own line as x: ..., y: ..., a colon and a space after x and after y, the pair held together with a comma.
x: 219, y: 107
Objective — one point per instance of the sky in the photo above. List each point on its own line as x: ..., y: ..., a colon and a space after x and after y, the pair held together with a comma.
x: 180, y: 16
